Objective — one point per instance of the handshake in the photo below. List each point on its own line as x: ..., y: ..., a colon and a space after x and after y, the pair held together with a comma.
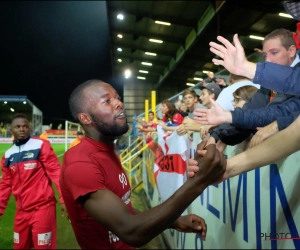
x: 209, y: 163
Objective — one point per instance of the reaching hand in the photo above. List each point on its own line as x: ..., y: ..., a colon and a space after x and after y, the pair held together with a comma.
x: 191, y: 223
x: 190, y: 124
x: 211, y: 75
x: 233, y: 57
x: 204, y: 130
x: 263, y: 133
x: 214, y: 116
x: 221, y: 146
x: 162, y: 124
x: 181, y: 130
x: 221, y: 82
x: 211, y: 140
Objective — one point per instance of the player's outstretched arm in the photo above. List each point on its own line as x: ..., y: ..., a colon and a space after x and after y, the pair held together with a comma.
x: 138, y: 229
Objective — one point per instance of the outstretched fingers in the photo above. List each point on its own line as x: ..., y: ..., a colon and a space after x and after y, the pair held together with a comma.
x: 200, y: 116
x: 237, y: 42
x: 226, y: 43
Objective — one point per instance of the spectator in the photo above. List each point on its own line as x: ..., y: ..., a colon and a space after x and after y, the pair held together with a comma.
x: 212, y: 79
x: 225, y: 97
x: 210, y: 90
x: 221, y: 82
x: 28, y: 169
x: 97, y: 191
x: 191, y: 101
x: 78, y: 139
x: 172, y: 117
x: 243, y: 95
x: 240, y: 97
x: 282, y: 42
x: 277, y: 77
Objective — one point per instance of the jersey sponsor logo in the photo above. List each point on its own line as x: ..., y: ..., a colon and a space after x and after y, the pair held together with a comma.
x: 112, y: 237
x: 44, y: 239
x: 16, y: 238
x: 28, y: 166
x: 28, y: 155
x: 126, y: 197
x: 123, y: 179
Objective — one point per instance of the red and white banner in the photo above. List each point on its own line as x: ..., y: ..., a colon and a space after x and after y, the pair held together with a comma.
x: 170, y: 162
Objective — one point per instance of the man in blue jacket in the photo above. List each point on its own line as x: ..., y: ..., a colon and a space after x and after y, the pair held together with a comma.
x: 278, y: 47
x: 270, y: 75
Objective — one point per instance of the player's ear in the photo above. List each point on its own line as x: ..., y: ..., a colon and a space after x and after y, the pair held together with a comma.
x: 84, y: 118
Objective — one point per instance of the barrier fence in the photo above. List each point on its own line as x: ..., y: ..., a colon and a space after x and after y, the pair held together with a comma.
x: 257, y: 209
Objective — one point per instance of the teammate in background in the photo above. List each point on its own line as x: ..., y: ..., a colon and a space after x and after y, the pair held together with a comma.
x: 96, y: 189
x: 78, y: 139
x: 28, y: 169
x: 44, y: 135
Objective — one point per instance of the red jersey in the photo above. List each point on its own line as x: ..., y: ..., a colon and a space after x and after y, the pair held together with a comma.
x: 177, y: 118
x: 88, y: 167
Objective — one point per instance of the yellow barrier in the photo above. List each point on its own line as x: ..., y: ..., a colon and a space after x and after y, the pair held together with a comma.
x: 131, y: 163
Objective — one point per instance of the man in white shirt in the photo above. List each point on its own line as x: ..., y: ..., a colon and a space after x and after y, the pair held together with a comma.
x: 225, y: 98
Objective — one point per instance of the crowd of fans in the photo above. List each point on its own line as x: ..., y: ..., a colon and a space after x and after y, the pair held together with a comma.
x: 251, y: 113
x: 4, y: 129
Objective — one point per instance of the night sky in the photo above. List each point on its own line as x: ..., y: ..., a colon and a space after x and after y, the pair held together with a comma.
x: 48, y: 48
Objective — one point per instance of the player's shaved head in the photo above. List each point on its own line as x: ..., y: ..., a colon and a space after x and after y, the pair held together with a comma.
x: 78, y: 101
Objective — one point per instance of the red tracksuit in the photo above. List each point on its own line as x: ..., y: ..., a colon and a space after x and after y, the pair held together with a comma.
x: 28, y: 170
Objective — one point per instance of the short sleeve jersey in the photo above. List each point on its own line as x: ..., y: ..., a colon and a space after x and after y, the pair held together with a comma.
x: 88, y: 167
x: 177, y: 118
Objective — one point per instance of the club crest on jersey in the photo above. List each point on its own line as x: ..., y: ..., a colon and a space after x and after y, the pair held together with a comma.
x: 28, y: 155
x: 28, y: 166
x: 12, y: 167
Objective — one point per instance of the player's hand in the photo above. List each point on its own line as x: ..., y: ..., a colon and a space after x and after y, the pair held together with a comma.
x: 212, y: 167
x: 192, y: 166
x: 191, y: 223
x: 64, y: 210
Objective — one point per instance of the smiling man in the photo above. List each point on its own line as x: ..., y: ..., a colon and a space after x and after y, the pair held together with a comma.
x: 96, y: 189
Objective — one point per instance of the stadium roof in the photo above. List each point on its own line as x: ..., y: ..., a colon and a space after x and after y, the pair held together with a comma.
x: 184, y: 51
x: 16, y: 104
